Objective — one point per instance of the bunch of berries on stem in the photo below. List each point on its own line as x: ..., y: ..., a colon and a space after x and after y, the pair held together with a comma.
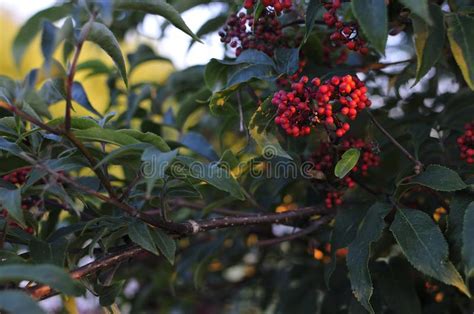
x: 466, y: 143
x: 277, y: 5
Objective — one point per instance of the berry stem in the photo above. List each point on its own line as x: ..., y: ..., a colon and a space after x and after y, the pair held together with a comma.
x: 418, y: 164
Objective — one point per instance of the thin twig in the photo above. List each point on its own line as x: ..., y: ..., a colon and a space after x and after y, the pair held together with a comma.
x: 418, y: 164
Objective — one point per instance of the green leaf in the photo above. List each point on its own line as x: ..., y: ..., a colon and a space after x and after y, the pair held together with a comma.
x: 126, y: 150
x: 79, y: 95
x: 420, y: 8
x: 30, y: 29
x: 140, y: 233
x: 344, y: 231
x: 165, y: 244
x: 311, y: 14
x: 210, y: 26
x: 348, y: 161
x: 395, y: 284
x: 52, y: 37
x: 147, y: 137
x: 16, y: 301
x: 155, y: 163
x: 467, y: 236
x: 98, y: 134
x: 425, y: 247
x: 248, y: 72
x: 53, y: 276
x: 215, y: 75
x: 143, y: 54
x: 269, y: 144
x: 439, y: 178
x: 372, y: 17
x: 108, y: 294
x: 158, y: 7
x: 105, y: 39
x: 457, y: 210
x: 199, y: 144
x: 40, y: 252
x: 287, y: 60
x: 11, y: 201
x: 214, y: 175
x: 460, y: 39
x: 10, y: 147
x: 429, y: 41
x: 369, y: 231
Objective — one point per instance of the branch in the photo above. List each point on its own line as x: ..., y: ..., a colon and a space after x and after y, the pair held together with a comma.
x: 72, y: 72
x: 191, y: 227
x: 418, y: 164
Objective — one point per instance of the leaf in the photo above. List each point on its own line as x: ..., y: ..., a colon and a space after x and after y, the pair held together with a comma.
x: 311, y: 14
x: 210, y: 26
x: 269, y: 144
x: 28, y: 31
x: 110, y: 136
x: 79, y: 95
x: 40, y: 252
x: 429, y: 41
x: 10, y: 147
x: 425, y: 247
x: 246, y: 73
x: 358, y: 256
x: 158, y: 7
x: 215, y: 75
x: 16, y: 301
x: 397, y: 287
x: 52, y: 37
x: 462, y: 45
x: 11, y: 201
x: 126, y: 150
x: 457, y: 210
x: 103, y: 37
x: 467, y: 236
x: 348, y: 161
x: 420, y: 8
x: 165, y: 244
x: 108, y: 294
x: 287, y: 60
x: 147, y: 137
x: 143, y: 54
x: 199, y: 144
x: 155, y: 163
x: 372, y: 17
x: 53, y: 276
x: 344, y: 231
x: 214, y: 175
x: 139, y: 233
x: 439, y: 178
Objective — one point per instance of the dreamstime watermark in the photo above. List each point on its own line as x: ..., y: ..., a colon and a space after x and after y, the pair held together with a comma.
x: 271, y: 165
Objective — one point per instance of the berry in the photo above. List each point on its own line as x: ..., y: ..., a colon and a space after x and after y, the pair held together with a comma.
x: 466, y: 143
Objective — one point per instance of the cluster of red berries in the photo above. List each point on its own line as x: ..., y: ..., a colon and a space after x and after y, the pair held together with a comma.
x: 294, y: 109
x: 309, y: 103
x: 18, y: 176
x: 466, y: 143
x: 243, y: 32
x: 277, y: 5
x: 343, y: 35
x: 328, y: 51
x: 333, y: 199
x: 324, y: 160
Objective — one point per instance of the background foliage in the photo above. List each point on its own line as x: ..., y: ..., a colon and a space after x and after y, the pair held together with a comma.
x: 187, y: 191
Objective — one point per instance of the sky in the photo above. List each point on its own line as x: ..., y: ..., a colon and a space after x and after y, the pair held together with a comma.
x: 174, y: 44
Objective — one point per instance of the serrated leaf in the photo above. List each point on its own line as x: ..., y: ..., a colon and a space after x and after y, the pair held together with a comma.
x: 311, y: 14
x: 16, y: 301
x: 429, y: 41
x: 439, y: 178
x: 420, y: 8
x: 155, y: 163
x: 158, y: 7
x: 372, y: 17
x: 53, y: 276
x: 467, y: 236
x: 425, y: 247
x: 460, y: 39
x: 348, y: 161
x: 30, y: 29
x: 105, y: 39
x: 140, y: 234
x: 11, y: 201
x: 358, y: 256
x: 165, y: 244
